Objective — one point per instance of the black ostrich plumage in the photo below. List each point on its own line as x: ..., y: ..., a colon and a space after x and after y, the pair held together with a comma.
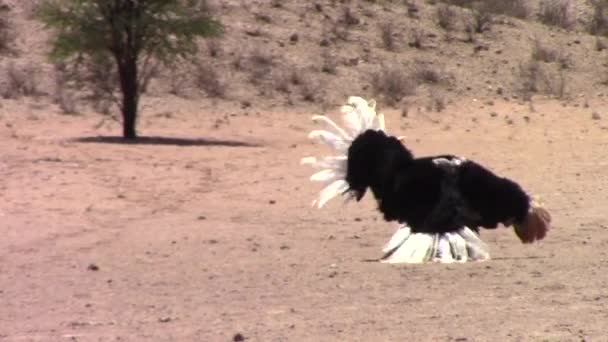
x: 426, y: 196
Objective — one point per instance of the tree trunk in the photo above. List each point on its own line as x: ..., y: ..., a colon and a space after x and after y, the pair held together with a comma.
x: 130, y: 96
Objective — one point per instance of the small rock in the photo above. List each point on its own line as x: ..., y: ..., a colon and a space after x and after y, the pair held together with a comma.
x: 93, y: 267
x: 294, y: 38
x: 238, y: 337
x: 272, y: 202
x: 164, y: 319
x: 201, y: 218
x: 595, y: 116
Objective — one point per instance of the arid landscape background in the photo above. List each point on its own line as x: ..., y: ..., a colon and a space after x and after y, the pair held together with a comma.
x: 202, y: 230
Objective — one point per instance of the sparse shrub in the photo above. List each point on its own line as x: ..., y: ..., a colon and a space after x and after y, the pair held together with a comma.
x: 309, y: 90
x: 425, y: 73
x: 543, y: 53
x: 437, y: 102
x: 214, y: 47
x: 348, y: 18
x: 19, y: 82
x: 208, y: 79
x: 282, y: 83
x: 7, y: 37
x: 417, y: 38
x: 387, y: 33
x: 63, y: 98
x: 546, y: 54
x: 530, y: 75
x: 265, y: 18
x: 534, y: 78
x: 512, y: 8
x: 260, y: 65
x: 392, y: 84
x: 598, y: 24
x: 412, y: 9
x: 446, y: 17
x: 600, y: 44
x: 556, y: 13
x: 339, y: 31
x: 330, y: 65
x: 481, y: 21
x: 460, y: 3
x: 557, y: 84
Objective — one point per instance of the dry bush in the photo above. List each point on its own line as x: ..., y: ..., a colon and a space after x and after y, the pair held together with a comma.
x: 387, y: 33
x: 339, y: 32
x: 288, y: 79
x: 178, y: 83
x: 600, y: 44
x: 412, y: 9
x: 530, y: 76
x: 426, y: 73
x: 446, y: 17
x: 512, y: 8
x: 265, y: 18
x: 330, y: 65
x: 417, y: 38
x: 598, y: 24
x: 310, y: 90
x: 208, y: 79
x: 348, y: 18
x: 7, y: 37
x: 282, y: 83
x: 437, y: 102
x: 20, y: 82
x: 556, y: 13
x: 63, y: 97
x: 460, y: 3
x: 534, y: 78
x: 214, y: 47
x: 260, y: 65
x: 546, y: 54
x: 392, y: 84
x: 480, y: 21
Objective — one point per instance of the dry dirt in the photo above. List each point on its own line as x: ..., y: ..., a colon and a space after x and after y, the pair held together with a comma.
x: 204, y: 232
x: 211, y: 234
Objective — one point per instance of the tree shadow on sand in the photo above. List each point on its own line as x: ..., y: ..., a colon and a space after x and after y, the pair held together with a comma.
x: 167, y: 141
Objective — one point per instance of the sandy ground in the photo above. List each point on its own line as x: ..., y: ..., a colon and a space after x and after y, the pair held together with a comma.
x: 211, y: 235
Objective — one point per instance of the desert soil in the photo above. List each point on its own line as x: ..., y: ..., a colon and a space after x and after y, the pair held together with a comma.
x: 211, y: 237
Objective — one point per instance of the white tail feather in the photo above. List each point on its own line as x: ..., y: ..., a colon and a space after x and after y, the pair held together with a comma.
x: 460, y: 246
x: 444, y: 250
x: 329, y: 139
x: 415, y: 249
x: 476, y: 249
x: 332, y: 125
x: 332, y: 190
x: 326, y: 176
x: 397, y: 239
x: 333, y: 162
